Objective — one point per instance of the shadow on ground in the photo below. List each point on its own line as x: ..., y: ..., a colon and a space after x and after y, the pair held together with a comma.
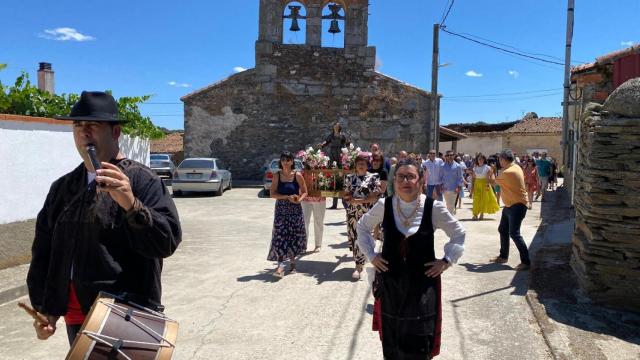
x: 554, y: 285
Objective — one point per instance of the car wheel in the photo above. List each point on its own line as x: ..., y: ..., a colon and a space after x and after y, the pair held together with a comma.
x: 177, y: 193
x: 230, y: 185
x: 219, y: 191
x: 267, y: 192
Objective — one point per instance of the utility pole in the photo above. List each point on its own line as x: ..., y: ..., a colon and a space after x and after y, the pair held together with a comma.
x: 433, y: 125
x: 567, y: 83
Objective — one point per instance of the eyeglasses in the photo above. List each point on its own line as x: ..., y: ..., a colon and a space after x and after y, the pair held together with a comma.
x: 409, y: 177
x: 448, y: 155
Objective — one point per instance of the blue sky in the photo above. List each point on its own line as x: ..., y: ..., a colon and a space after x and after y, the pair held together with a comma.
x: 169, y: 49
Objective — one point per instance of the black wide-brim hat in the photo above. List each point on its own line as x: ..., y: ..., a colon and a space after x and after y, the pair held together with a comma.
x: 94, y: 106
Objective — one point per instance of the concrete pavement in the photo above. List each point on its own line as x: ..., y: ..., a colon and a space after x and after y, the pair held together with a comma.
x: 219, y: 287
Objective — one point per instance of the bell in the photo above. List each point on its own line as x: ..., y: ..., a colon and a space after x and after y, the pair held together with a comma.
x: 294, y: 25
x: 334, y: 28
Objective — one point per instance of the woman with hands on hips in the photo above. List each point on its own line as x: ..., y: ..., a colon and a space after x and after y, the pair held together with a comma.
x: 289, y: 238
x: 407, y: 284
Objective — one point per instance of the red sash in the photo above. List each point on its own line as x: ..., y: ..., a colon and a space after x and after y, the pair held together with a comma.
x: 74, y: 315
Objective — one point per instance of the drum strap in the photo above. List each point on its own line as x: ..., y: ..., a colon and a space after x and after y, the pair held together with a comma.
x: 115, y: 350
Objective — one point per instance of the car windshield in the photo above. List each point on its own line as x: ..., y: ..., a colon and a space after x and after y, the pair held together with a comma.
x: 160, y: 157
x: 197, y: 164
x: 274, y: 165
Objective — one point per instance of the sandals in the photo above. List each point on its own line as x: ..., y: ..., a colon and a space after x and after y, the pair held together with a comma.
x: 279, y: 273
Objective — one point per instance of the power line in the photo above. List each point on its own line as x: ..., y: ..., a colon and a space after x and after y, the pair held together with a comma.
x: 501, y: 49
x: 444, y: 18
x: 500, y: 100
x: 502, y: 94
x: 162, y: 103
x: 520, y: 50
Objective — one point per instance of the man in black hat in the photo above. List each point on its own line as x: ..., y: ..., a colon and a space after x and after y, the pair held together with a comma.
x: 104, y: 229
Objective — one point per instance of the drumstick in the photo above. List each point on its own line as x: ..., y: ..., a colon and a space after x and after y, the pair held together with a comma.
x: 34, y: 314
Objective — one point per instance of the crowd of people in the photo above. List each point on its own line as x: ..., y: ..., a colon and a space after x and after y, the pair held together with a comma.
x: 401, y: 200
x: 120, y: 222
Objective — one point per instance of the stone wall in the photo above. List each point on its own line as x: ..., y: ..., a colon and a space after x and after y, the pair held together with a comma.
x: 290, y: 100
x: 606, y: 242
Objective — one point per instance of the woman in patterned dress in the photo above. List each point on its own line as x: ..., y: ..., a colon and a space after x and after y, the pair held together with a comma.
x: 361, y: 192
x: 289, y: 238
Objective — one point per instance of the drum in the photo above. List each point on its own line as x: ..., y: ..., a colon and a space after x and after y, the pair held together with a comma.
x: 118, y: 329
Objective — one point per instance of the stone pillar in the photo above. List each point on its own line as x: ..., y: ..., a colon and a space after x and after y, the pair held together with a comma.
x: 270, y: 23
x: 356, y: 25
x: 314, y: 24
x: 606, y: 239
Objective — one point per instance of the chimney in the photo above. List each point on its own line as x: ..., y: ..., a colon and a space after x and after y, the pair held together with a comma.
x: 46, y: 81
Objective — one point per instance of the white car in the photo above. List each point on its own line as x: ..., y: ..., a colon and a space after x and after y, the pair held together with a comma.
x: 201, y: 175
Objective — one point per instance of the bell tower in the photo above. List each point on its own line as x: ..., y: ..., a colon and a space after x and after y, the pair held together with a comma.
x: 348, y: 17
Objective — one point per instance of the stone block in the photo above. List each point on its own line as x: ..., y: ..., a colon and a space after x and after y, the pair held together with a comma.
x: 295, y: 88
x: 625, y: 100
x: 264, y: 47
x: 316, y: 90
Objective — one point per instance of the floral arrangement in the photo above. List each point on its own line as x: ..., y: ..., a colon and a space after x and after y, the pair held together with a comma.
x: 349, y: 155
x: 313, y: 159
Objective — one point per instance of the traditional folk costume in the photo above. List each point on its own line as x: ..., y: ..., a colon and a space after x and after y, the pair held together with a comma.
x: 289, y: 238
x: 358, y: 187
x: 407, y: 309
x: 484, y: 200
x: 86, y: 243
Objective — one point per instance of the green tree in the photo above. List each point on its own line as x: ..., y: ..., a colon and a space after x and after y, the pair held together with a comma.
x: 25, y: 99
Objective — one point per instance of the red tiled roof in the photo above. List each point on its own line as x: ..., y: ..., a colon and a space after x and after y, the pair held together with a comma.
x: 170, y: 144
x: 537, y: 125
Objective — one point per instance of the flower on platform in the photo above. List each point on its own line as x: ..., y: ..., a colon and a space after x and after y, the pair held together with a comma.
x: 312, y: 159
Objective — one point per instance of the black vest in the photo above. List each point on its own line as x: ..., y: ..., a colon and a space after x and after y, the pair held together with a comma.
x: 408, y: 254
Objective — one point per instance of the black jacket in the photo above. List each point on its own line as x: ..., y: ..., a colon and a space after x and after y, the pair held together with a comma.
x: 88, y: 237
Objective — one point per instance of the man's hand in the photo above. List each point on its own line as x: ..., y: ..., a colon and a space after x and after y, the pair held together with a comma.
x: 380, y: 263
x: 436, y: 268
x: 45, y: 330
x: 114, y: 182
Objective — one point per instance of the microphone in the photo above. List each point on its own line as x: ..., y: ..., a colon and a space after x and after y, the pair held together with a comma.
x: 91, y: 150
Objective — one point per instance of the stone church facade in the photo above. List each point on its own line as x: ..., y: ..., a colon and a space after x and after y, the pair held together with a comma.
x: 296, y: 92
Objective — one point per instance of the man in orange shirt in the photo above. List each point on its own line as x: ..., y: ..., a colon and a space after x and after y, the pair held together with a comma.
x: 514, y: 196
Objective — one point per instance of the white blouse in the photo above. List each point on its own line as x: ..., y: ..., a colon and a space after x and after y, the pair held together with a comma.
x: 441, y: 219
x: 482, y: 172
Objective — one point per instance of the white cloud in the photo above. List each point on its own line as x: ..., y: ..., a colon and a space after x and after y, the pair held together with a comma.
x: 472, y: 73
x: 65, y: 34
x: 179, y: 85
x: 628, y: 43
x: 514, y: 73
x: 239, y: 69
x: 378, y: 64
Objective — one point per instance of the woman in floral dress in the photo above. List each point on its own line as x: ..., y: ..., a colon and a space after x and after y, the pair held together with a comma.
x: 289, y: 238
x: 361, y: 192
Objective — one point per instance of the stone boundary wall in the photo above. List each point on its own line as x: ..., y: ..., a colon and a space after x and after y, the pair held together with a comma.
x: 606, y: 241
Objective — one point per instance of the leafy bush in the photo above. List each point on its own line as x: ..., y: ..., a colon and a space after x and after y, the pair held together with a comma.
x: 25, y: 99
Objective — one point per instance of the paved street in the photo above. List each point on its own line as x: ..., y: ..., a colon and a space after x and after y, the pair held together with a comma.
x: 219, y: 287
